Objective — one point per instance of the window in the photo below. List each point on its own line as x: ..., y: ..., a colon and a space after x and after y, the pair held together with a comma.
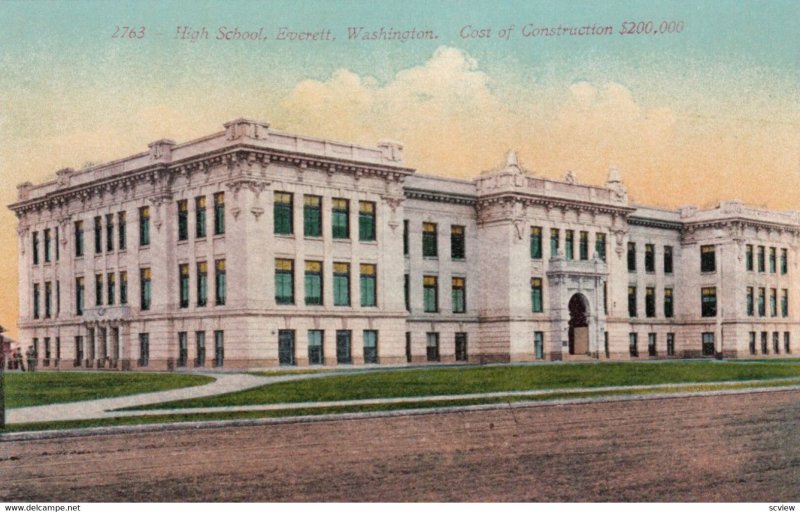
x: 537, y: 302
x: 183, y: 349
x: 47, y: 354
x: 200, y: 341
x: 707, y: 259
x: 408, y: 347
x: 773, y: 302
x: 772, y: 260
x: 776, y: 342
x: 584, y: 245
x: 219, y: 282
x: 407, y: 291
x: 750, y: 301
x: 313, y: 283
x: 569, y: 243
x: 110, y: 232
x: 368, y: 285
x: 650, y: 302
x: 709, y: 302
x: 35, y: 248
x: 343, y: 346
x: 202, y: 284
x: 554, y: 236
x: 405, y: 237
x: 78, y: 350
x: 56, y: 244
x: 670, y: 344
x: 669, y: 310
x: 631, y: 257
x: 764, y: 345
x: 787, y: 345
x: 144, y: 349
x: 312, y: 216
x: 784, y: 261
x: 784, y: 303
x: 183, y: 277
x: 632, y: 301
x: 633, y: 344
x: 98, y: 289
x: 651, y: 344
x: 78, y: 238
x: 58, y: 298
x: 284, y: 281
x: 538, y: 344
x: 461, y: 347
x: 371, y: 347
x: 749, y: 257
x: 430, y: 294
x: 48, y: 299
x: 341, y: 284
x: 536, y: 243
x: 708, y: 343
x: 761, y: 258
x: 121, y: 221
x: 200, y: 216
x: 600, y: 245
x: 341, y: 218
x: 649, y: 258
x: 432, y: 347
x: 123, y: 288
x: 98, y: 235
x: 762, y: 302
x: 430, y: 247
x: 145, y: 277
x: 219, y: 213
x: 79, y: 295
x: 667, y: 259
x: 47, y: 246
x: 457, y: 247
x: 459, y: 295
x: 282, y: 213
x: 183, y: 220
x: 366, y: 221
x: 144, y: 225
x: 219, y: 349
x: 36, y: 300
x: 315, y: 352
x: 752, y: 344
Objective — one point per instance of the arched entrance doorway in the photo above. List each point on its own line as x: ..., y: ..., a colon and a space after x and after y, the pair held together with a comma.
x: 578, y: 325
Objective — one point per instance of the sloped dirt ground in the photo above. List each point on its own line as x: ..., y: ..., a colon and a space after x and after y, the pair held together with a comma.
x: 727, y: 448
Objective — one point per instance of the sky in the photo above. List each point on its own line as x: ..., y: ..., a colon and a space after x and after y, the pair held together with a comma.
x: 706, y: 110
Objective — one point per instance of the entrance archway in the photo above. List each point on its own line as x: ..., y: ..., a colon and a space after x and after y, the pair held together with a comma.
x: 578, y: 325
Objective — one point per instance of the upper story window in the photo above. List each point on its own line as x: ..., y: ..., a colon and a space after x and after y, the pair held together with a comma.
x: 667, y: 259
x: 341, y: 218
x: 583, y: 245
x: 202, y: 284
x: 709, y: 302
x: 35, y: 247
x: 98, y: 235
x: 430, y: 294
x: 708, y: 261
x: 284, y: 281
x: 123, y: 288
x: 219, y: 213
x: 405, y: 237
x: 650, y: 302
x: 536, y: 242
x: 459, y: 295
x: 56, y: 243
x: 219, y: 277
x: 110, y: 288
x: 78, y: 238
x: 145, y: 297
x: 98, y: 289
x: 121, y: 227
x: 366, y: 221
x: 313, y: 283
x: 430, y: 246
x: 773, y: 263
x: 784, y: 303
x: 282, y: 213
x: 341, y: 284
x: 144, y: 225
x: 537, y: 302
x: 773, y: 302
x: 554, y: 236
x: 600, y: 245
x: 750, y: 301
x: 200, y: 216
x: 369, y: 286
x: 762, y: 302
x: 762, y: 256
x: 649, y: 258
x: 183, y: 285
x: 631, y: 257
x: 312, y: 215
x: 749, y: 257
x: 80, y: 292
x: 110, y: 232
x: 47, y: 246
x: 569, y: 244
x: 183, y: 220
x: 784, y: 261
x: 457, y: 245
x: 669, y: 307
x: 632, y: 301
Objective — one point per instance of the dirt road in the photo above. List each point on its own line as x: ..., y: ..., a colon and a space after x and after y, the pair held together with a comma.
x: 726, y: 448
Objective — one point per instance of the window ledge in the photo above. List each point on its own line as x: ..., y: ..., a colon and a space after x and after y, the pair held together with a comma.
x: 313, y: 237
x: 432, y: 258
x: 284, y: 235
x: 369, y: 242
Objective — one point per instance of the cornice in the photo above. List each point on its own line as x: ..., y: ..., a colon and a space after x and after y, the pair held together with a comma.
x: 655, y: 223
x: 554, y: 203
x: 442, y: 197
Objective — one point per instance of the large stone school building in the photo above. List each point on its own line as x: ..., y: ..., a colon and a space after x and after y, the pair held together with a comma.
x: 251, y: 247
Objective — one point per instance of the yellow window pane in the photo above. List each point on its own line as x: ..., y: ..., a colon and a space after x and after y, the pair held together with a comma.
x: 429, y: 280
x: 313, y: 266
x: 366, y: 207
x: 367, y: 269
x: 283, y: 264
x: 341, y: 268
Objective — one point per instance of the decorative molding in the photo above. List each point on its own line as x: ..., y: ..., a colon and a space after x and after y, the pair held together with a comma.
x: 442, y: 197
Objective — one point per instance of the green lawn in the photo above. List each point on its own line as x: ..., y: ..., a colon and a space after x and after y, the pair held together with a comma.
x: 27, y: 389
x: 461, y: 380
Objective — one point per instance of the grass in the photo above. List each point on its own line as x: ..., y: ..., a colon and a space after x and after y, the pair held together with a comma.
x: 248, y: 415
x: 463, y: 380
x: 41, y: 388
